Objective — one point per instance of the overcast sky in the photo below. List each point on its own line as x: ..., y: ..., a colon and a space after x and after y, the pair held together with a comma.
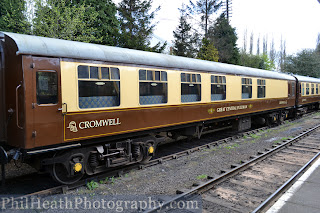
x: 297, y: 21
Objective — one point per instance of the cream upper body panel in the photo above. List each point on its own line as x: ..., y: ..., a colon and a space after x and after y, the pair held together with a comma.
x: 276, y: 88
x: 129, y: 87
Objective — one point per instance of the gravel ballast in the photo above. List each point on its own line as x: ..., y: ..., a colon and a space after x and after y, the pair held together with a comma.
x: 166, y: 178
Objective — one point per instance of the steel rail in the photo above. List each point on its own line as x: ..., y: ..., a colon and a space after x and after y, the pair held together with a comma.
x: 120, y: 171
x: 207, y: 185
x: 285, y: 186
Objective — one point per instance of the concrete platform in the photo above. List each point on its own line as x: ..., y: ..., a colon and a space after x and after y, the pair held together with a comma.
x: 303, y: 196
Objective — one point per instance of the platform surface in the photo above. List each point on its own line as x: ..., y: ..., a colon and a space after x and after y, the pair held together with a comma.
x: 303, y: 196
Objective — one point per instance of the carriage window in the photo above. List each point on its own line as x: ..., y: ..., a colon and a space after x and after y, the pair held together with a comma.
x: 47, y: 87
x: 302, y: 88
x: 98, y: 87
x: 190, y: 87
x: 94, y: 72
x: 307, y: 89
x: 293, y: 85
x: 317, y: 89
x: 312, y: 89
x: 218, y: 88
x: 153, y: 87
x: 246, y: 88
x: 261, y: 88
x: 83, y: 71
x: 115, y: 73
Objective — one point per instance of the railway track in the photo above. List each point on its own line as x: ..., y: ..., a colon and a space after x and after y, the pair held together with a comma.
x: 182, y: 151
x: 254, y: 185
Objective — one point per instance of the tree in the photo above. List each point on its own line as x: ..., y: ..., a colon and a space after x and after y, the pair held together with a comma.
x: 205, y: 8
x: 208, y: 51
x: 106, y: 24
x: 267, y: 63
x: 282, y: 54
x: 58, y: 19
x: 184, y: 40
x: 318, y: 45
x: 305, y: 62
x: 136, y: 26
x: 12, y: 16
x: 245, y: 41
x: 224, y: 36
x: 251, y: 44
x: 265, y: 45
x: 272, y: 52
x: 258, y: 45
x: 256, y: 61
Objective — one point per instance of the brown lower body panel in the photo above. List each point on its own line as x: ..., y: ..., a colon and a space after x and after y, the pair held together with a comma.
x: 86, y: 125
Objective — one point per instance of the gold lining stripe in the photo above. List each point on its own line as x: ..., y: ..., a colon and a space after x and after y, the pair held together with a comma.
x: 164, y: 125
x: 180, y: 105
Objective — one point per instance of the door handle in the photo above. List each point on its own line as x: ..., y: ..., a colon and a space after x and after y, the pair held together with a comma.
x: 17, y: 106
x: 64, y: 108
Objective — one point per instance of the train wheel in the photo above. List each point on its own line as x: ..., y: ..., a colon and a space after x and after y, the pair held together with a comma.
x: 60, y: 174
x: 148, y: 154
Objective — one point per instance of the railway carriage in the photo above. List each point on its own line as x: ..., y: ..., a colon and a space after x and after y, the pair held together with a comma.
x: 73, y: 108
x: 309, y: 93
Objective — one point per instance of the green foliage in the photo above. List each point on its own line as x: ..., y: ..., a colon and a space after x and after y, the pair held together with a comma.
x: 136, y: 25
x: 105, y: 24
x: 224, y: 36
x: 305, y: 62
x: 208, y: 51
x: 92, y: 185
x: 232, y: 146
x: 267, y: 63
x: 184, y: 39
x: 254, y: 136
x: 201, y: 177
x: 12, y: 16
x: 60, y: 19
x: 112, y: 180
x: 205, y: 8
x: 284, y: 138
x: 256, y: 61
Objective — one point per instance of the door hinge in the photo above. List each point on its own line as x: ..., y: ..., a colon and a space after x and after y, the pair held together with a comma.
x: 33, y: 105
x: 34, y: 134
x: 32, y: 65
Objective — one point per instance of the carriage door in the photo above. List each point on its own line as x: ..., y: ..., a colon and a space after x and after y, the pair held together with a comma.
x: 48, y: 118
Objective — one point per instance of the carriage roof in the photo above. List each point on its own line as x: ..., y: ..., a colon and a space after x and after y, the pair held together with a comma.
x: 42, y: 46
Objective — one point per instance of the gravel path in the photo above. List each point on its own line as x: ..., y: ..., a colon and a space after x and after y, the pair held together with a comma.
x: 166, y: 178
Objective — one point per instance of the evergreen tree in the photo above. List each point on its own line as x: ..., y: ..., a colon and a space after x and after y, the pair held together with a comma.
x: 136, y: 26
x: 205, y: 8
x: 185, y: 40
x: 208, y: 51
x: 60, y: 19
x: 12, y: 16
x: 224, y: 36
x: 106, y: 24
x: 305, y: 62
